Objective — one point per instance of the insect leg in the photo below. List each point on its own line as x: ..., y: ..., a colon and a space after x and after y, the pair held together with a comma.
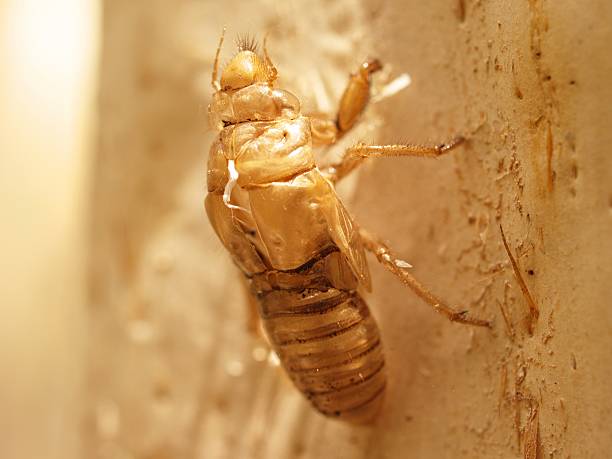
x: 253, y: 319
x: 323, y: 129
x: 215, y: 84
x: 272, y: 72
x: 399, y: 268
x: 326, y: 130
x: 356, y: 95
x: 356, y: 154
x: 381, y: 151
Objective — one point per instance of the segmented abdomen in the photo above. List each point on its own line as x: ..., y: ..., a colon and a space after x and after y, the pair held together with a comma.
x: 328, y: 342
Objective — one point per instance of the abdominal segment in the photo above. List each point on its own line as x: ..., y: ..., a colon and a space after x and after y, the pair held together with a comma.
x: 328, y: 342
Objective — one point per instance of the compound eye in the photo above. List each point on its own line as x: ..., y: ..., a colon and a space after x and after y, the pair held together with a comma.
x: 243, y: 70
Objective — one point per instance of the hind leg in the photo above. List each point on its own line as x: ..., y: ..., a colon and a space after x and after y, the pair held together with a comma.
x: 399, y: 268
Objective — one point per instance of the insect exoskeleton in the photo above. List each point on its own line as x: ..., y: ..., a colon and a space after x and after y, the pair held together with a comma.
x: 286, y: 229
x: 281, y: 220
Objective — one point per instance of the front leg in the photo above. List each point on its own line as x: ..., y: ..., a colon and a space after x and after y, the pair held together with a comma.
x: 399, y: 268
x: 325, y: 130
x: 357, y: 154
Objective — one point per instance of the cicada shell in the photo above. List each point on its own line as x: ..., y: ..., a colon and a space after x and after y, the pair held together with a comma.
x: 281, y: 220
x: 286, y: 229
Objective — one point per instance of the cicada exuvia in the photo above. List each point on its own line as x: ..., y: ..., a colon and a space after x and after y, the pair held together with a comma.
x: 301, y: 253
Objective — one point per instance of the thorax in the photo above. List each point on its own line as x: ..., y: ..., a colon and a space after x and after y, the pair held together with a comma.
x: 262, y: 133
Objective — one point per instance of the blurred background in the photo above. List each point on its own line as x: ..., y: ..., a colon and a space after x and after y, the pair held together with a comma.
x: 123, y: 329
x: 49, y: 53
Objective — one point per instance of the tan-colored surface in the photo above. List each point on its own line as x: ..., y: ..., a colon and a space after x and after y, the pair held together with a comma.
x: 173, y: 372
x: 47, y: 83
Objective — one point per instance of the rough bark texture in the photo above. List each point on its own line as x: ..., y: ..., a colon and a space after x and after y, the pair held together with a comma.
x: 175, y: 372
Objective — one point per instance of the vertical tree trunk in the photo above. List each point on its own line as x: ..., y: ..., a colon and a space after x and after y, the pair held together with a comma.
x: 174, y: 372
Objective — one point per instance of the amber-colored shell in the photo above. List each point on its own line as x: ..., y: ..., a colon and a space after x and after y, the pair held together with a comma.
x: 288, y: 232
x: 244, y: 69
x: 356, y: 95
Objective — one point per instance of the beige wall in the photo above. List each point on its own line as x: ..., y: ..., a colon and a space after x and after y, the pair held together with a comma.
x: 48, y: 58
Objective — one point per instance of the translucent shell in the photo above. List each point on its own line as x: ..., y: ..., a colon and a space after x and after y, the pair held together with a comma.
x: 217, y: 174
x: 258, y: 102
x: 269, y: 151
x: 356, y: 95
x: 289, y: 233
x: 232, y: 235
x: 244, y: 69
